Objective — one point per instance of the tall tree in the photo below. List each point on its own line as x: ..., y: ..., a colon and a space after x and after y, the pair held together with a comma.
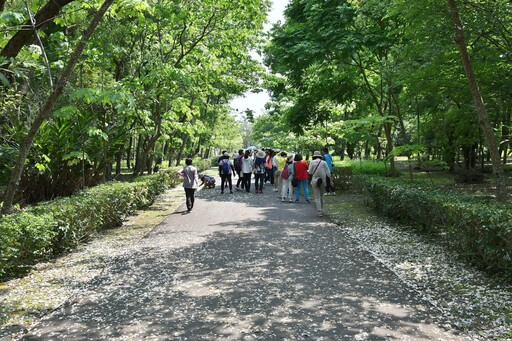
x: 483, y: 118
x: 48, y: 107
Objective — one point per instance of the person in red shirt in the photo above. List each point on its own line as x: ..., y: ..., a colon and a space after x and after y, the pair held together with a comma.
x: 301, y: 175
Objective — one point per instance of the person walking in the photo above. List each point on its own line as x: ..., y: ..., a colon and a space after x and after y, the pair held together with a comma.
x: 226, y: 169
x: 301, y: 175
x: 237, y: 162
x: 320, y: 173
x: 259, y: 171
x: 190, y: 182
x: 247, y: 168
x: 329, y: 189
x: 286, y: 177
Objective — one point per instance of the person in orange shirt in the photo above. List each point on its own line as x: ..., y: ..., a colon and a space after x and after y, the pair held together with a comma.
x: 301, y: 175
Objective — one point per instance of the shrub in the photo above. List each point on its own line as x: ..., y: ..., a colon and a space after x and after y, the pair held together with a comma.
x: 367, y: 167
x: 341, y: 177
x: 49, y: 228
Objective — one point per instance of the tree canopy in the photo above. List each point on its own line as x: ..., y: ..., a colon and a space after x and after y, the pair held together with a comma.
x: 152, y: 82
x: 395, y: 63
x: 85, y: 93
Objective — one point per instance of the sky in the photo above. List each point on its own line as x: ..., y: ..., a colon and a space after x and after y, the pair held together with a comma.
x: 256, y: 102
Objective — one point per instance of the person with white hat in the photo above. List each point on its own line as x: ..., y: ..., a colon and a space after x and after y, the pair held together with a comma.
x: 259, y: 170
x: 319, y: 171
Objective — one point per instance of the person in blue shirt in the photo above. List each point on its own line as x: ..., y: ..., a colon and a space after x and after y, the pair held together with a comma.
x: 329, y: 189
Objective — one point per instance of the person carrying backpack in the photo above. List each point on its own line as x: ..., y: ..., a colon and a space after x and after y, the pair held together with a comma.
x: 237, y: 162
x: 287, y: 190
x: 226, y: 169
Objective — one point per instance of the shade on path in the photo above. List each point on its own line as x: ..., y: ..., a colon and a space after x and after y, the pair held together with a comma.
x: 245, y: 266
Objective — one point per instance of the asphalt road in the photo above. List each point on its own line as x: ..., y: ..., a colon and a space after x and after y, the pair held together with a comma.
x: 245, y: 266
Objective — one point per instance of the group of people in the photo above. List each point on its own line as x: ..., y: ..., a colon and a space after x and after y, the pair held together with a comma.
x: 288, y: 174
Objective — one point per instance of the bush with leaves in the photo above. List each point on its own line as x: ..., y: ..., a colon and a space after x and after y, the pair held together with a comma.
x: 480, y: 230
x: 52, y: 227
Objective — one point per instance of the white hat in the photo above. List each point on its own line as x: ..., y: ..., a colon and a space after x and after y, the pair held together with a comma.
x: 317, y: 154
x: 260, y: 153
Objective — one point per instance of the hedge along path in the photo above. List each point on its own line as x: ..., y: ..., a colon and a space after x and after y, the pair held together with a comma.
x: 24, y: 300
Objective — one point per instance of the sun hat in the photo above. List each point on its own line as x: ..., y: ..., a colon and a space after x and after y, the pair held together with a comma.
x: 290, y: 157
x: 317, y: 154
x: 226, y: 154
x: 260, y: 153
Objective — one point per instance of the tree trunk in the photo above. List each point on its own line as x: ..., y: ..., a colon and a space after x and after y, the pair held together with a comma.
x: 483, y: 118
x: 129, y: 153
x: 378, y: 100
x: 182, y: 148
x: 44, y: 16
x: 505, y: 133
x: 119, y: 160
x: 46, y: 111
x: 136, y: 167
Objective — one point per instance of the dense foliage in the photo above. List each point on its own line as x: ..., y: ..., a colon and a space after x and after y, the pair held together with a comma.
x: 366, y: 77
x: 152, y: 85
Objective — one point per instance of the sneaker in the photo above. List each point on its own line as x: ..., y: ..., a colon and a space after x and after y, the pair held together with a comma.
x: 221, y: 192
x: 230, y: 192
x: 333, y: 193
x: 296, y: 200
x: 307, y: 201
x: 237, y: 188
x: 282, y: 199
x: 291, y: 200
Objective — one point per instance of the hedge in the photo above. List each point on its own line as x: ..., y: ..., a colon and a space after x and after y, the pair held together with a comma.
x: 479, y: 229
x: 42, y: 231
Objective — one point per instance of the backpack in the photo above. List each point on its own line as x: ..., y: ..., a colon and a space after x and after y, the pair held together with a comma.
x: 285, y: 174
x: 238, y: 163
x: 259, y: 166
x: 225, y: 166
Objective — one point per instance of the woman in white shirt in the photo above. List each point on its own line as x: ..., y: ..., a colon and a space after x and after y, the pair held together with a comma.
x: 247, y: 168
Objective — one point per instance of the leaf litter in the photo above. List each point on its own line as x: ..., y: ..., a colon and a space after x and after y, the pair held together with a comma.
x: 470, y: 300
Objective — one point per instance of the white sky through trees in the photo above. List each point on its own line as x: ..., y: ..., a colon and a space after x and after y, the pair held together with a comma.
x: 256, y: 101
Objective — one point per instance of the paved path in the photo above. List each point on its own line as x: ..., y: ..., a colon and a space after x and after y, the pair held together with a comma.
x: 245, y: 267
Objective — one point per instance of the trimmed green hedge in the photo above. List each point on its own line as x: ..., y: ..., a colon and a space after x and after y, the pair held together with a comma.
x: 478, y: 228
x: 40, y: 232
x: 368, y: 167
